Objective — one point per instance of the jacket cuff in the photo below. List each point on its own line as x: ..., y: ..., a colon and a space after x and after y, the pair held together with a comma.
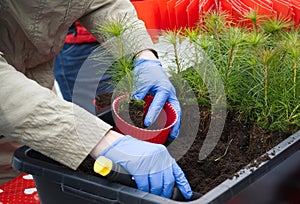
x: 152, y: 50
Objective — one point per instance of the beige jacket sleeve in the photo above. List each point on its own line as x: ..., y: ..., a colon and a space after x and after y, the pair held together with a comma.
x: 36, y: 117
x: 99, y: 12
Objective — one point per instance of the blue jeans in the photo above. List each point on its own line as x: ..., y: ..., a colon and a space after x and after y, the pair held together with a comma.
x: 79, y: 77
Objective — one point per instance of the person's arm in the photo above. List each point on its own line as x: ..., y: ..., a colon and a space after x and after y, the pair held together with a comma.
x: 101, y: 11
x: 147, y: 66
x: 36, y: 117
x: 147, y: 54
x: 109, y: 138
x: 153, y: 168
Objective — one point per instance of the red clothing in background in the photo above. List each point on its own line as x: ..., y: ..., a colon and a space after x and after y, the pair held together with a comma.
x: 81, y: 36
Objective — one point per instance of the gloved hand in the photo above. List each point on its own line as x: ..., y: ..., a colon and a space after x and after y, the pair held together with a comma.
x: 149, y: 77
x: 151, y: 165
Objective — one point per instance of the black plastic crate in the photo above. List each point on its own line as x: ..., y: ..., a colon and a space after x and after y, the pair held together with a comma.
x: 59, y: 184
x: 266, y: 184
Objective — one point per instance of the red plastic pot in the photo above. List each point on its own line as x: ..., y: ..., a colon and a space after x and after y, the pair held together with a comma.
x: 166, y: 119
x: 99, y: 108
x: 95, y: 104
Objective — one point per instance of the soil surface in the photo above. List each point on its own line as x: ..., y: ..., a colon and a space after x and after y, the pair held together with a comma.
x: 133, y: 112
x: 103, y: 100
x: 239, y: 145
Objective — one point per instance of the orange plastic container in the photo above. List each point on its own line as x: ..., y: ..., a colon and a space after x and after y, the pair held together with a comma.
x: 171, y: 13
x: 181, y: 13
x: 225, y: 6
x: 193, y: 13
x: 148, y: 11
x: 206, y: 6
x: 164, y: 15
x: 283, y: 8
x: 264, y: 8
x: 296, y: 11
x: 165, y: 120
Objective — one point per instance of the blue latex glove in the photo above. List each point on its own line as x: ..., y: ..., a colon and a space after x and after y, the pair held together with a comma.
x: 151, y: 165
x: 149, y: 78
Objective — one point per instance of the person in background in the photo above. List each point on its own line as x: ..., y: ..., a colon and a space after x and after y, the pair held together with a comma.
x: 31, y: 34
x: 79, y: 45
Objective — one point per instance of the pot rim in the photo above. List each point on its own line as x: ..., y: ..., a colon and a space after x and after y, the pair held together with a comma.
x: 143, y: 129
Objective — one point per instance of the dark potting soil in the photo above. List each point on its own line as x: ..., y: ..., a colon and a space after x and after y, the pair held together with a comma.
x: 131, y: 112
x: 103, y: 100
x: 134, y: 114
x: 239, y: 145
